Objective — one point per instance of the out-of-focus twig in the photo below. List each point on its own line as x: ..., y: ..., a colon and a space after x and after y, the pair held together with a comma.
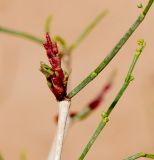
x: 23, y: 156
x: 21, y: 34
x: 1, y: 158
x: 48, y: 24
x: 94, y: 104
x: 139, y: 155
x: 87, y: 30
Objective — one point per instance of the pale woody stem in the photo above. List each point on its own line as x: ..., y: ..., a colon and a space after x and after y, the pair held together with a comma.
x: 63, y: 113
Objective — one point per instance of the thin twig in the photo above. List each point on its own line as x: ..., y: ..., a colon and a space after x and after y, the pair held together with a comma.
x: 87, y: 30
x: 106, y: 114
x: 21, y: 34
x: 48, y: 24
x: 23, y: 156
x: 68, y: 49
x: 139, y: 155
x: 63, y: 112
x: 113, y: 52
x: 1, y: 158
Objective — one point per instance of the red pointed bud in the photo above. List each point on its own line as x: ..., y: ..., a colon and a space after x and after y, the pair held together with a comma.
x: 58, y: 79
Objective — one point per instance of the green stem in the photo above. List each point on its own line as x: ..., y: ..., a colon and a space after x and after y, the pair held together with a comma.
x: 113, y: 52
x: 21, y: 34
x: 139, y: 155
x: 81, y: 115
x: 87, y: 30
x: 48, y: 24
x: 1, y: 158
x: 23, y: 156
x: 106, y: 114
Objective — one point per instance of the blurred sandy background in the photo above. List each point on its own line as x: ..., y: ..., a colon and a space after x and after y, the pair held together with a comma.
x: 27, y: 107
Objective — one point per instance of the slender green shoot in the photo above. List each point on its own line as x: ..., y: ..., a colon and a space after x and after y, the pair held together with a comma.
x: 87, y: 30
x: 22, y: 35
x: 139, y: 155
x: 60, y: 41
x: 23, y: 155
x: 105, y: 115
x: 48, y: 24
x: 1, y: 158
x: 112, y: 53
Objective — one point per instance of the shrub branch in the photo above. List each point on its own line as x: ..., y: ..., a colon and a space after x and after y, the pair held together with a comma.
x: 113, y: 52
x: 22, y: 34
x: 105, y: 115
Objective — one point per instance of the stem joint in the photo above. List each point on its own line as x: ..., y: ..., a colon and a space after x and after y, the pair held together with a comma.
x: 105, y: 117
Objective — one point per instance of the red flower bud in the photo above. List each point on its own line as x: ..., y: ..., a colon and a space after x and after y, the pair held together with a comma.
x: 58, y: 78
x: 96, y: 102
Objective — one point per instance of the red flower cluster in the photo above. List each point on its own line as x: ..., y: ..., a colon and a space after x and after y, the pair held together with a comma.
x: 96, y: 102
x: 58, y: 78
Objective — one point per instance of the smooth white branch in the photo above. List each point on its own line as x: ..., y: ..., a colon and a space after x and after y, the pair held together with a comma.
x: 55, y: 153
